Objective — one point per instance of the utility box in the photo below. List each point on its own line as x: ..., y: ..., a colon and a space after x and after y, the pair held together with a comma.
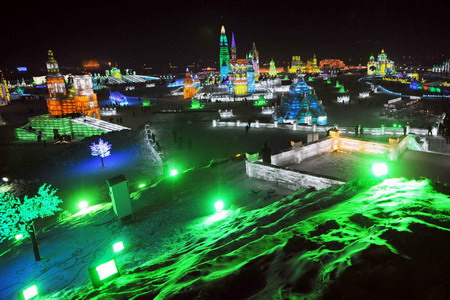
x: 120, y: 196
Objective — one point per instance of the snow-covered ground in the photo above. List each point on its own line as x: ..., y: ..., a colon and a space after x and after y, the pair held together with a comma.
x: 264, y: 245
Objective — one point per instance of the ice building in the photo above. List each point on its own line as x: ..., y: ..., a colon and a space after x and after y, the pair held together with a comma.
x: 301, y: 106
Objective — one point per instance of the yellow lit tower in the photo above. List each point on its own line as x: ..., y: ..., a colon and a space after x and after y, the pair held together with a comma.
x: 295, y: 64
x: 5, y: 98
x: 189, y: 89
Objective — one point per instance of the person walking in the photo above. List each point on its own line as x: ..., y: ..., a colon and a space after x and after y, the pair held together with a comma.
x: 266, y: 153
x: 429, y: 130
x: 356, y: 131
x: 361, y: 131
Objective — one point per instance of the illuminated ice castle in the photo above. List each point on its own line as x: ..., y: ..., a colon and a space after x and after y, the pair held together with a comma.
x: 383, y: 66
x: 241, y: 73
x: 301, y: 106
x: 298, y: 66
x: 80, y: 99
x: 73, y: 110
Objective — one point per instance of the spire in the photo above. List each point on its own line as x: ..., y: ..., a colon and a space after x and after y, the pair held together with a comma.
x: 233, y: 48
x: 222, y: 30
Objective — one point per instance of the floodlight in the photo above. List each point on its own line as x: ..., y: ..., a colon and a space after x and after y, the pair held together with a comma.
x: 18, y: 236
x: 219, y: 205
x: 83, y: 205
x: 103, y: 273
x: 29, y: 293
x: 107, y: 269
x: 142, y: 185
x: 379, y: 169
x: 173, y: 172
x: 5, y: 179
x: 117, y: 247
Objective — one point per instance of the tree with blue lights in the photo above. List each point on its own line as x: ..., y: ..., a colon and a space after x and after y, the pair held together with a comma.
x: 18, y: 216
x: 101, y: 149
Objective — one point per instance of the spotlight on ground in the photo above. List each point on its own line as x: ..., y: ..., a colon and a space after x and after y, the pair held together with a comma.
x: 379, y: 169
x: 117, y: 247
x: 103, y: 273
x: 5, y: 179
x: 218, y: 206
x: 83, y: 205
x: 173, y: 172
x: 29, y: 293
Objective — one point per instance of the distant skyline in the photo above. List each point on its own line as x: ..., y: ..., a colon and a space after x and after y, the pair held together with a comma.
x: 136, y: 33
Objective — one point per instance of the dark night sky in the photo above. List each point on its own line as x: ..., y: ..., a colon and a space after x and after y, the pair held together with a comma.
x: 158, y: 32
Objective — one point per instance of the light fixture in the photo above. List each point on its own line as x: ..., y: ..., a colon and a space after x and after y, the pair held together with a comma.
x: 103, y: 273
x: 83, y: 205
x: 218, y: 206
x: 29, y: 293
x: 379, y: 169
x: 117, y: 247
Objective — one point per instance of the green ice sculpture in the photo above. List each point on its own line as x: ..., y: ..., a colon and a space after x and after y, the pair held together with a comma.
x: 195, y: 104
x: 261, y: 101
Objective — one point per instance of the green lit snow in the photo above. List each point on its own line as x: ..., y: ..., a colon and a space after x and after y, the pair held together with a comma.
x: 336, y: 225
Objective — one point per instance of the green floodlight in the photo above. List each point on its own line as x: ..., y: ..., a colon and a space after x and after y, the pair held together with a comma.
x: 219, y: 205
x: 117, y: 247
x: 379, y: 169
x: 18, y: 236
x: 173, y: 172
x: 29, y: 293
x: 83, y: 205
x: 142, y: 185
x: 103, y: 273
x: 395, y: 125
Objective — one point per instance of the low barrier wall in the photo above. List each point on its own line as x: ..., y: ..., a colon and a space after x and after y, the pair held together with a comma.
x: 288, y: 178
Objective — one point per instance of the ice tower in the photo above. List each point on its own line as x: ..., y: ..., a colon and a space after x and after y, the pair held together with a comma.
x: 188, y: 89
x: 224, y: 57
x: 254, y: 55
x: 250, y: 76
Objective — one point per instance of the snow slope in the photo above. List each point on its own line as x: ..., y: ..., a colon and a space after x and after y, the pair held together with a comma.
x: 265, y: 245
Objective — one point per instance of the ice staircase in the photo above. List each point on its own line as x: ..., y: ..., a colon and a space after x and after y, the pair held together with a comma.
x: 114, y: 80
x: 98, y: 124
x: 133, y: 78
